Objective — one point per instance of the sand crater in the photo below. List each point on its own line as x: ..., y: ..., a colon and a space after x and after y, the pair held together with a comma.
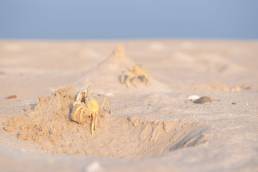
x: 50, y: 130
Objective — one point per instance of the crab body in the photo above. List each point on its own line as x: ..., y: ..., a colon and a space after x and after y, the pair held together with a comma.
x: 136, y: 73
x: 85, y: 107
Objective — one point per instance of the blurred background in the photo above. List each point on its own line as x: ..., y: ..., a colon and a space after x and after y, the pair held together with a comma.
x: 130, y: 19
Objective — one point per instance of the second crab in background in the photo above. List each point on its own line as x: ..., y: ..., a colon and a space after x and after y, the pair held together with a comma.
x: 133, y: 76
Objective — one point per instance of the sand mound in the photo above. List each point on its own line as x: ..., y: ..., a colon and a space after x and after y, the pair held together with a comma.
x: 49, y: 128
x: 48, y: 125
x: 108, y: 72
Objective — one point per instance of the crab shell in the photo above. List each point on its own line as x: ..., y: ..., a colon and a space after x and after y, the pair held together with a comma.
x: 82, y: 112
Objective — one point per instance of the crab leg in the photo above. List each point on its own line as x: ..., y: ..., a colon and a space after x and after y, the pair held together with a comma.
x: 93, y: 123
x: 74, y: 116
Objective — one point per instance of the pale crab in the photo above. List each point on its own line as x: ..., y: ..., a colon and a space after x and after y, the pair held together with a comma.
x: 86, y: 107
x: 136, y: 73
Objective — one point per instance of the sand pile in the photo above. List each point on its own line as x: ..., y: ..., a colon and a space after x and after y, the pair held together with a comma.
x: 49, y: 127
x: 109, y: 70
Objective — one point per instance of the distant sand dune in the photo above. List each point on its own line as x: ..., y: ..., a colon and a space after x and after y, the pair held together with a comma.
x: 105, y: 76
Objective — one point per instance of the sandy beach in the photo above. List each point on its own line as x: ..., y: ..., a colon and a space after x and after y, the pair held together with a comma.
x: 162, y: 124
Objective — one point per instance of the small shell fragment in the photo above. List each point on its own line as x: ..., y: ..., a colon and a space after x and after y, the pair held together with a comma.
x: 193, y: 97
x: 202, y: 100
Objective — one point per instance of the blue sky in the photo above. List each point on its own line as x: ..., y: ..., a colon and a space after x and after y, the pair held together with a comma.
x: 130, y: 19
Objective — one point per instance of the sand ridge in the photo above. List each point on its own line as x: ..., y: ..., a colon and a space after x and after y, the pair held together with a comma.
x: 109, y: 70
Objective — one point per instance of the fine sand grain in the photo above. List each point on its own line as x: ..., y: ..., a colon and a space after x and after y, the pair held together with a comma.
x: 150, y: 128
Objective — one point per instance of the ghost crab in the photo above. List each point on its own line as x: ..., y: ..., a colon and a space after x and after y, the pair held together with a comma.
x: 136, y: 73
x: 86, y: 107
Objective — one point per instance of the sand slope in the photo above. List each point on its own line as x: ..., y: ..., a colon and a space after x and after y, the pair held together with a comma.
x: 153, y: 128
x: 104, y: 77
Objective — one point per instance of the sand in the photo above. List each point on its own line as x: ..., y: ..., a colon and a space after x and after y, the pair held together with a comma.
x: 150, y: 128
